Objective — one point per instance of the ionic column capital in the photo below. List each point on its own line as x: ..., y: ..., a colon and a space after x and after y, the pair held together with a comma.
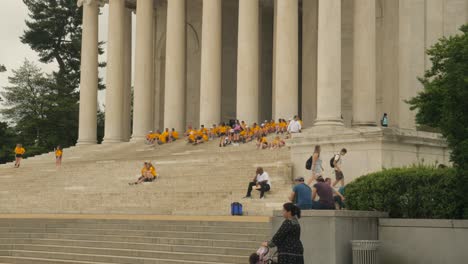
x: 100, y: 3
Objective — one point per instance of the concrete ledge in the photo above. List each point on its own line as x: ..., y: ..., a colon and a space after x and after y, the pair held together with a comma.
x: 337, y: 213
x: 258, y: 219
x: 326, y: 234
x: 429, y: 223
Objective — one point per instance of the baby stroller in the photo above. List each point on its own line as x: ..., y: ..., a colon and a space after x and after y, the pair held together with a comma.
x: 264, y: 255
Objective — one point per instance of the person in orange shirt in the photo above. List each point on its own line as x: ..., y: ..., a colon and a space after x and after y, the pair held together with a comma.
x: 174, y: 135
x: 58, y: 156
x: 19, y: 151
x: 148, y: 174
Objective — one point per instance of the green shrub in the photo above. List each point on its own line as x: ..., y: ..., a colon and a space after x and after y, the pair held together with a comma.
x: 415, y: 192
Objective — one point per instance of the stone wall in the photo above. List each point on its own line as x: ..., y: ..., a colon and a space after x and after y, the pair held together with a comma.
x: 326, y: 234
x: 421, y: 241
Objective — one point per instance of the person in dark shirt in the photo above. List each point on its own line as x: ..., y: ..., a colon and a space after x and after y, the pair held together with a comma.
x: 301, y: 194
x: 325, y: 193
x: 288, y: 237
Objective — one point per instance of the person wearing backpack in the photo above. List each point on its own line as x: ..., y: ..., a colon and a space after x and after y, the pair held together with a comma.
x: 315, y: 165
x: 335, y: 163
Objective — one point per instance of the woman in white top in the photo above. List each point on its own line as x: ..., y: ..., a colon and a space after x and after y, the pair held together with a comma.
x: 317, y: 168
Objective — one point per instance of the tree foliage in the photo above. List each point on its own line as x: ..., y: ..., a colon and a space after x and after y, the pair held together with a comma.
x: 443, y: 103
x: 44, y: 108
x: 28, y: 101
x: 415, y: 192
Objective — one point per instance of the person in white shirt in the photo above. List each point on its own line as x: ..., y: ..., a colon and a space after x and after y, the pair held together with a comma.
x: 261, y: 182
x: 294, y: 126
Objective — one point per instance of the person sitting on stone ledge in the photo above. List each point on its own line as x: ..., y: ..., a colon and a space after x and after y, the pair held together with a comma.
x: 301, y: 194
x: 261, y: 182
x: 294, y: 126
x: 163, y: 137
x: 337, y: 195
x: 325, y: 193
x: 148, y: 174
x: 151, y: 138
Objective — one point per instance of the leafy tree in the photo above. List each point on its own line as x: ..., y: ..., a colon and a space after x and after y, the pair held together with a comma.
x: 7, y: 143
x: 54, y: 31
x: 28, y: 101
x: 443, y: 103
x: 2, y: 68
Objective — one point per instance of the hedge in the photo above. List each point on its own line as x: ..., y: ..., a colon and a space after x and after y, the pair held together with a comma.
x: 415, y: 192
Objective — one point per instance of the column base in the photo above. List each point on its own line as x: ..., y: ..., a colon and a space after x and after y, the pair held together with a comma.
x: 138, y: 139
x: 329, y: 122
x: 85, y: 142
x: 364, y: 123
x: 112, y: 140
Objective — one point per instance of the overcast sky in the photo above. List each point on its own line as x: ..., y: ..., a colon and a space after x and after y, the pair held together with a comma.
x: 13, y: 13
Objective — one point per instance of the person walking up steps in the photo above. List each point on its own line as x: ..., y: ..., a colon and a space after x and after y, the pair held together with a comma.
x: 317, y: 167
x: 19, y: 152
x: 337, y: 161
x: 58, y: 156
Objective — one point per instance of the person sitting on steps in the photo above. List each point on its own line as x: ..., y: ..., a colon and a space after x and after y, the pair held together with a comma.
x: 261, y: 182
x: 148, y: 174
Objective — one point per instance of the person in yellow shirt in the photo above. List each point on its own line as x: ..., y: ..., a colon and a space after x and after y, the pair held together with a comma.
x: 262, y: 142
x: 189, y: 130
x: 163, y: 137
x: 148, y: 174
x: 174, y: 135
x: 19, y: 151
x: 277, y: 143
x: 192, y: 137
x: 272, y: 126
x: 58, y: 156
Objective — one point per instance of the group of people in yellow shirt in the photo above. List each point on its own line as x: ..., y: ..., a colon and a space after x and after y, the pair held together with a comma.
x: 162, y: 138
x: 20, y: 150
x: 239, y: 132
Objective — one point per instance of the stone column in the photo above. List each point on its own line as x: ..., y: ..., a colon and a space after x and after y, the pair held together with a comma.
x: 248, y: 62
x: 329, y: 64
x: 364, y: 64
x: 87, y: 128
x: 143, y: 94
x: 210, y: 81
x: 285, y: 99
x: 115, y: 73
x: 128, y: 77
x: 174, y: 97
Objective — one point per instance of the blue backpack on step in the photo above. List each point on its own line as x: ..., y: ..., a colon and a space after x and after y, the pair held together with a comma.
x: 236, y: 208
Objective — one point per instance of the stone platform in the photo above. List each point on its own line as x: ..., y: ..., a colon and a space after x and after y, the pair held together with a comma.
x: 370, y: 149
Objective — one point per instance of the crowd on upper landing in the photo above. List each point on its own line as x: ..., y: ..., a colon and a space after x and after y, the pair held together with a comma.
x: 233, y: 133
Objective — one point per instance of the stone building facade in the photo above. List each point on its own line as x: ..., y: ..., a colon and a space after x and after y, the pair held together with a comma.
x: 336, y: 63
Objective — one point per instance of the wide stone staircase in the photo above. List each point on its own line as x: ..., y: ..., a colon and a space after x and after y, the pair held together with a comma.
x: 85, y: 211
x: 194, y: 180
x: 130, y: 241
